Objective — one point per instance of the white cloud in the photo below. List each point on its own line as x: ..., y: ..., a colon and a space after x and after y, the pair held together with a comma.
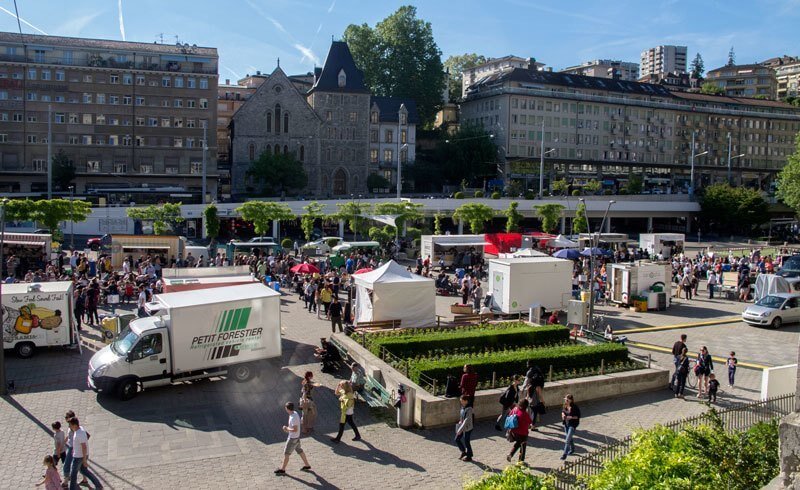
x: 121, y: 20
x: 12, y: 14
x: 74, y: 27
x: 307, y: 53
x: 319, y: 28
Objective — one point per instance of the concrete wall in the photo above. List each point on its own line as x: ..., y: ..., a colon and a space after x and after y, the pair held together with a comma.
x: 434, y: 411
x: 778, y: 381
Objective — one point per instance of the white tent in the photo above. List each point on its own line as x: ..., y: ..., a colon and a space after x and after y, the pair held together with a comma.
x: 767, y: 284
x: 561, y: 242
x: 524, y: 252
x: 390, y: 292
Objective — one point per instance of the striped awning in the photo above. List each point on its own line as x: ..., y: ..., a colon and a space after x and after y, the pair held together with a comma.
x: 24, y: 239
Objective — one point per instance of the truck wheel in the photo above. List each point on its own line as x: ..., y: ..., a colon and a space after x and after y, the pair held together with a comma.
x: 127, y: 389
x: 25, y: 349
x: 242, y: 372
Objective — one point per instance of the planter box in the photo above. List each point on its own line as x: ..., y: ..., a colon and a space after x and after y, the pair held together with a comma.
x: 461, y: 309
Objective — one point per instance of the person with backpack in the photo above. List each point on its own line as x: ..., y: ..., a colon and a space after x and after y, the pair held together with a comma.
x: 532, y: 388
x: 507, y: 401
x: 517, y: 425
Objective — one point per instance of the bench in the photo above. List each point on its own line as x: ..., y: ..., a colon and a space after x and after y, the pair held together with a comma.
x: 600, y: 337
x: 374, y: 394
x: 379, y: 325
x: 343, y: 354
x: 470, y: 319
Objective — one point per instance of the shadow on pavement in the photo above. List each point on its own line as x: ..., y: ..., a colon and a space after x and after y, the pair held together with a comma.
x: 371, y: 454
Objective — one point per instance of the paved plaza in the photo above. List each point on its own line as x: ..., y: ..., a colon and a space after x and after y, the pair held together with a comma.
x: 217, y: 433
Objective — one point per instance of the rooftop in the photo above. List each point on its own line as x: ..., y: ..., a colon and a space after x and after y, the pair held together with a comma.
x: 105, y: 44
x: 340, y: 59
x: 389, y: 107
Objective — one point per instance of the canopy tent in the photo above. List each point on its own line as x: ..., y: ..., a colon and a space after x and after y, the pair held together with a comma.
x: 525, y: 252
x: 390, y: 292
x: 767, y: 284
x: 561, y: 242
x: 594, y: 251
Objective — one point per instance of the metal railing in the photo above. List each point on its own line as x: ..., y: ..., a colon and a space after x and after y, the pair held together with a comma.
x: 738, y: 418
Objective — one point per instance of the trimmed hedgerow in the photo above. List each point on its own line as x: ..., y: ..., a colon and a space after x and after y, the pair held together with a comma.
x: 514, y: 335
x: 508, y: 363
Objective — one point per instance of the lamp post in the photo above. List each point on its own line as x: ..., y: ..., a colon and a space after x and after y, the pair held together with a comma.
x: 399, y: 171
x: 3, y: 202
x: 541, y: 167
x: 730, y: 158
x: 594, y: 242
x: 72, y: 217
x: 691, y: 176
x: 205, y: 150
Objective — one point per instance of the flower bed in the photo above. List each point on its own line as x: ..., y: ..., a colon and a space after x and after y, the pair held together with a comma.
x: 434, y: 342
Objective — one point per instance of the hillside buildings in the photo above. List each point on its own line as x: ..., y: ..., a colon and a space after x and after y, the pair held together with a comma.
x: 663, y: 59
x: 615, y: 69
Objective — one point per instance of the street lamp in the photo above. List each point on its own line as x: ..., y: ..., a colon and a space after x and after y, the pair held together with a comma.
x: 3, y: 203
x: 399, y: 179
x: 594, y: 243
x: 541, y: 168
x: 72, y: 217
x: 730, y: 158
x: 691, y: 176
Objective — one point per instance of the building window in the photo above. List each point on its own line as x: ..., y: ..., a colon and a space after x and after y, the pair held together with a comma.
x: 126, y: 100
x: 387, y: 155
x: 113, y: 79
x: 59, y: 76
x: 171, y: 169
x: 203, y: 83
x: 32, y: 138
x: 178, y: 103
x: 190, y: 83
x: 342, y: 78
x: 120, y: 168
x: 373, y: 156
x: 178, y: 82
x: 113, y: 99
x: 32, y: 96
x: 286, y: 122
x: 373, y: 136
x: 17, y: 117
x: 328, y: 116
x: 196, y: 168
x: 32, y: 74
x: 39, y: 165
x: 277, y: 119
x: 87, y: 98
x: 127, y: 79
x: 165, y: 122
x: 127, y: 140
x: 3, y: 138
x: 204, y: 103
x: 87, y: 119
x: 373, y: 117
x: 38, y: 56
x: 177, y: 142
x: 403, y: 136
x: 146, y: 169
x: 93, y: 166
x: 353, y: 117
x: 285, y: 150
x: 190, y: 123
x: 189, y: 142
x: 389, y: 136
x: 166, y: 82
x: 140, y: 81
x: 302, y: 153
x: 101, y: 98
x: 139, y: 100
x: 403, y: 118
x: 269, y: 121
x: 251, y: 152
x: 277, y: 149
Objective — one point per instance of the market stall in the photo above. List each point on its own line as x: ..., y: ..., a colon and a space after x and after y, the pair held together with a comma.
x: 30, y: 250
x: 666, y: 244
x: 390, y: 292
x: 456, y: 250
x: 518, y: 283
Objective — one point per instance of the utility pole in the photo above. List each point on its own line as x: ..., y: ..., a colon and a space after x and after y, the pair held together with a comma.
x: 3, y: 384
x: 205, y: 150
x: 49, y: 151
x: 72, y: 217
x: 541, y: 165
x: 691, y: 176
x: 729, y: 158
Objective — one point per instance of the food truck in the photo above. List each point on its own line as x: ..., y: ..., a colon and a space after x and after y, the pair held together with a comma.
x: 164, y: 246
x: 666, y: 244
x: 37, y: 315
x: 453, y: 248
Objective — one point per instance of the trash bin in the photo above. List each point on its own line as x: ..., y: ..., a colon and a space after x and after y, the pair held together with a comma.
x: 404, y: 402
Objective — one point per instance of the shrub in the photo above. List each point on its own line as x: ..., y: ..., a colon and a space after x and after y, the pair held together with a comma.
x: 287, y: 243
x: 508, y: 363
x: 530, y: 195
x: 576, y: 192
x: 332, y: 242
x: 516, y: 476
x: 458, y: 195
x: 508, y: 334
x: 608, y: 192
x: 478, y: 193
x: 496, y: 195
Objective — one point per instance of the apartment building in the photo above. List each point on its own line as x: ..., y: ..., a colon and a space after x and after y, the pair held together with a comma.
x: 473, y: 75
x: 663, y: 59
x: 392, y: 135
x: 616, y: 69
x: 609, y: 129
x: 787, y: 74
x: 745, y: 80
x: 130, y: 116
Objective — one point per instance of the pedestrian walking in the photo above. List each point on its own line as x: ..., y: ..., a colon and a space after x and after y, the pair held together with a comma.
x: 59, y: 443
x: 477, y: 295
x: 51, y: 480
x: 140, y: 302
x: 571, y: 418
x: 335, y: 312
x: 469, y: 383
x: 712, y: 283
x: 681, y: 372
x: 292, y: 441
x: 326, y: 296
x: 519, y: 434
x: 703, y: 369
x: 677, y: 350
x: 532, y: 389
x: 464, y: 429
x: 69, y: 441
x: 686, y: 286
x: 732, y: 362
x: 80, y: 457
x: 713, y: 386
x: 307, y: 404
x: 507, y: 401
x: 347, y: 404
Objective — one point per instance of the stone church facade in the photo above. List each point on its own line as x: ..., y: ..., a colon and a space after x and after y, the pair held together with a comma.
x: 326, y: 128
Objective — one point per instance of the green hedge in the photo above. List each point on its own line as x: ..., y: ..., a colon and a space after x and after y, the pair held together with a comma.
x: 514, y: 334
x: 508, y: 363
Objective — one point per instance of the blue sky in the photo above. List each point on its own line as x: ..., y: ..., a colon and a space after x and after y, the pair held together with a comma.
x: 252, y: 34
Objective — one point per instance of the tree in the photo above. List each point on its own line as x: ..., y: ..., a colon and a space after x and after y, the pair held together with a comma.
x: 549, y: 214
x: 353, y: 212
x: 732, y: 209
x: 381, y: 235
x: 788, y: 189
x: 375, y: 181
x: 63, y: 171
x: 513, y: 217
x: 731, y: 57
x: 455, y: 65
x: 278, y: 173
x: 466, y: 157
x: 475, y: 214
x: 635, y: 184
x: 212, y: 221
x: 313, y: 213
x: 437, y: 224
x: 711, y: 88
x: 19, y: 210
x: 698, y: 67
x: 261, y: 213
x: 400, y: 58
x: 560, y: 187
x: 580, y: 224
x: 50, y: 212
x: 162, y: 215
x: 592, y: 187
x: 406, y: 212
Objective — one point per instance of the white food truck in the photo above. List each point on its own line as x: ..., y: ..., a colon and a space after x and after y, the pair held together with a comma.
x: 666, y: 244
x: 37, y: 315
x: 518, y: 283
x: 627, y: 281
x: 194, y: 335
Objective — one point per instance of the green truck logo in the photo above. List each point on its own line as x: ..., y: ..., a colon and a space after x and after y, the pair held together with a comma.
x: 229, y: 336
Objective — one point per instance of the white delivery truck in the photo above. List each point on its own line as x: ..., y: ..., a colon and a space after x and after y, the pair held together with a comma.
x: 666, y: 244
x: 37, y: 315
x: 194, y: 335
x: 518, y: 283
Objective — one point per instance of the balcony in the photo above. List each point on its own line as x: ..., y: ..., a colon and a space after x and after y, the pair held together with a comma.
x: 98, y: 61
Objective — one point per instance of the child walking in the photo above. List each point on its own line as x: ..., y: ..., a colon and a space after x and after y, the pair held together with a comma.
x: 732, y: 362
x: 59, y: 443
x: 51, y: 480
x: 713, y: 386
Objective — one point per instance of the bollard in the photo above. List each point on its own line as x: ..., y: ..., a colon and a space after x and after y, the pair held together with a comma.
x: 602, y: 366
x: 649, y: 360
x: 550, y: 376
x: 494, y: 378
x: 406, y: 363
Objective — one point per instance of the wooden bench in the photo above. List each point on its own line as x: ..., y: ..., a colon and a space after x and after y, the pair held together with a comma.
x: 379, y: 325
x: 600, y: 337
x: 343, y: 354
x: 375, y: 394
x: 470, y: 319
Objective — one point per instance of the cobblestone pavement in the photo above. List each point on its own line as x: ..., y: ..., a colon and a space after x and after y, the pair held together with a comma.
x: 217, y: 433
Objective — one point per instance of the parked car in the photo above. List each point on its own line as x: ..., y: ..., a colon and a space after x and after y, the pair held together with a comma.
x: 322, y: 246
x: 262, y: 239
x: 774, y: 310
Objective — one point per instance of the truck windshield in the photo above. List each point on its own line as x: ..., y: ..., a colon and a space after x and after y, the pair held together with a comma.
x: 125, y: 342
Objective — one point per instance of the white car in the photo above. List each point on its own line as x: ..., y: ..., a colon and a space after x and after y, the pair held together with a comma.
x: 323, y: 245
x: 774, y: 310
